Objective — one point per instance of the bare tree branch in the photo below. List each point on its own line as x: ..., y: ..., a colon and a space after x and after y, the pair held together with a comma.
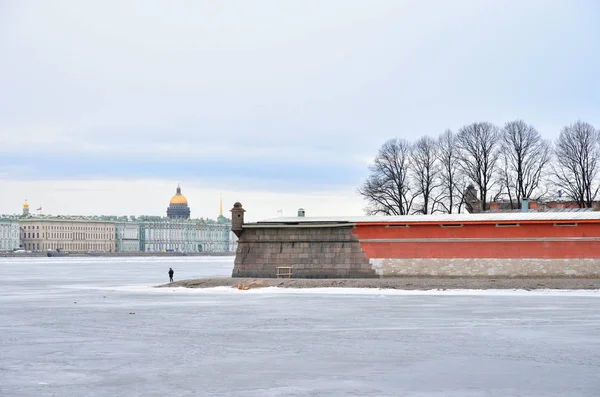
x: 449, y: 158
x: 524, y: 156
x: 426, y: 171
x: 576, y: 170
x: 478, y: 143
x: 388, y: 189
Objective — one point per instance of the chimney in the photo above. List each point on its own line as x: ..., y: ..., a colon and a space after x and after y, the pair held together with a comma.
x: 525, y: 205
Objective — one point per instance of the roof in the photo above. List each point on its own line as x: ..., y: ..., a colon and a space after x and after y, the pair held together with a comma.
x: 67, y: 220
x: 547, y: 210
x: 446, y: 218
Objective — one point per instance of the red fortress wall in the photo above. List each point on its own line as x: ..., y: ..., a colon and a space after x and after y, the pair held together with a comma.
x: 480, y: 240
x: 553, y: 248
x: 463, y: 245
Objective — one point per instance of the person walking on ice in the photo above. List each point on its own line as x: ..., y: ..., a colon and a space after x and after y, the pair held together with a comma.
x: 171, y: 272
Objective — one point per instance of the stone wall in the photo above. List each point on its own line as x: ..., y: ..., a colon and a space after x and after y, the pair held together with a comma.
x: 315, y: 252
x: 331, y: 251
x: 474, y: 267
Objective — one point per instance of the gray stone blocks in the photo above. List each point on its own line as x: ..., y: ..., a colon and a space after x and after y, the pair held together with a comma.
x: 318, y: 252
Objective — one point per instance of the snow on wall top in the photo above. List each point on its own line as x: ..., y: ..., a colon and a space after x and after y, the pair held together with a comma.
x: 442, y: 218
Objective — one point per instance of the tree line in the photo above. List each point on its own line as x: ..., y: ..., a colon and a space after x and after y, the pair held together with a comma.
x: 508, y: 163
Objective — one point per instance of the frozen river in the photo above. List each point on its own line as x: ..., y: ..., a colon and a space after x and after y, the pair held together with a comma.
x: 67, y: 329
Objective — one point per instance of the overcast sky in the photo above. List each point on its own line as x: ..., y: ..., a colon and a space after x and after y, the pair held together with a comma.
x: 106, y: 105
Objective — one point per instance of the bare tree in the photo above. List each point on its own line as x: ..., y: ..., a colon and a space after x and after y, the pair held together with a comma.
x: 478, y: 143
x: 388, y: 189
x: 525, y: 156
x: 576, y: 169
x: 449, y: 157
x: 506, y: 182
x: 426, y: 170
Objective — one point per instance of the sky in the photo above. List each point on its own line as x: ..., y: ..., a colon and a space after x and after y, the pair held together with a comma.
x: 105, y: 106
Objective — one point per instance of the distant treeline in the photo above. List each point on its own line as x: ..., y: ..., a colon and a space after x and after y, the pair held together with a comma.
x: 508, y: 163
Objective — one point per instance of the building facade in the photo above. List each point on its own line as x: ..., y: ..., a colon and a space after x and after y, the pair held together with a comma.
x: 474, y: 205
x: 174, y: 233
x: 182, y: 235
x: 215, y: 237
x: 71, y: 235
x: 233, y: 241
x: 9, y: 235
x: 177, y: 235
x: 127, y: 237
x: 146, y: 235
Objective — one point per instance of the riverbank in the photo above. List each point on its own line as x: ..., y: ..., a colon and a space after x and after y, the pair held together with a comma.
x: 404, y: 283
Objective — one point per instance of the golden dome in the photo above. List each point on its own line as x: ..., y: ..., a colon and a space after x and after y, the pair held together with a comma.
x: 26, y: 205
x: 178, y: 198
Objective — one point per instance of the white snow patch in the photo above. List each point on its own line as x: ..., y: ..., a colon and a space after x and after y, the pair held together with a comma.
x: 387, y: 292
x: 359, y: 291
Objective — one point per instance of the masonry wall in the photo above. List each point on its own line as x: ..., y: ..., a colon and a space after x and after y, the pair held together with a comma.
x: 486, y: 267
x: 314, y: 252
x: 534, y: 249
x: 528, y: 249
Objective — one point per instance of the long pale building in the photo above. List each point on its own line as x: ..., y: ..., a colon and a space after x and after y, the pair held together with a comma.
x: 183, y: 235
x: 128, y: 236
x: 9, y: 234
x: 176, y: 232
x: 72, y: 235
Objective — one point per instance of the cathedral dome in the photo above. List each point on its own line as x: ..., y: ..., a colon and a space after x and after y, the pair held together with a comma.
x: 178, y: 198
x: 178, y: 206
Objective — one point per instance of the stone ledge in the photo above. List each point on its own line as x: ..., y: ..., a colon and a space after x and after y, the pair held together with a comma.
x: 401, y: 283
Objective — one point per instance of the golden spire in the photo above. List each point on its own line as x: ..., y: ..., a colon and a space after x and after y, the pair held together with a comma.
x: 221, y: 206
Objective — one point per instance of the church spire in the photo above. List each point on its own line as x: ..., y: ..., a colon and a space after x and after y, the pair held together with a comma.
x: 221, y: 206
x: 26, y: 208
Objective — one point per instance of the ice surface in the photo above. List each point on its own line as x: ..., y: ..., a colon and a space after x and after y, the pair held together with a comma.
x: 66, y: 330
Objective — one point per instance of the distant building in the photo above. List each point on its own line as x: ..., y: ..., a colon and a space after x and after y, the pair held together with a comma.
x: 183, y: 235
x: 178, y: 235
x: 178, y: 206
x: 472, y: 201
x: 568, y: 204
x: 9, y: 234
x: 474, y: 205
x: 64, y: 234
x: 233, y: 241
x: 177, y: 232
x: 127, y: 237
